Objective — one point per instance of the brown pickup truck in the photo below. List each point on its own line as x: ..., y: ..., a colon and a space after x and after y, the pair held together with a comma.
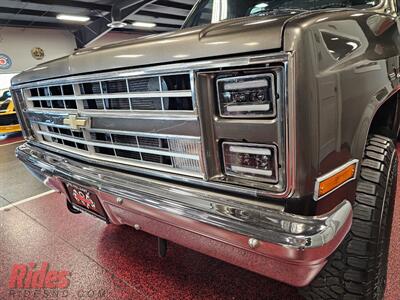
x: 261, y: 133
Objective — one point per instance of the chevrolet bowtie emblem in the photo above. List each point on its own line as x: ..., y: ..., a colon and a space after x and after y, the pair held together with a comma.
x: 75, y: 122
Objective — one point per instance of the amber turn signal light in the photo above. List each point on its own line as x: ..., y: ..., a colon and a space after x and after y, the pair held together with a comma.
x: 336, y: 179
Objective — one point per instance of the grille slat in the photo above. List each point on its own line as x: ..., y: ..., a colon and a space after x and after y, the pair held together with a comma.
x: 115, y: 86
x: 144, y: 84
x: 146, y: 104
x: 124, y: 139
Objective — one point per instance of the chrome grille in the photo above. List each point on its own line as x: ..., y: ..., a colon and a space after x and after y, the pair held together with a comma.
x: 130, y: 119
x: 109, y: 100
x: 178, y: 152
x: 154, y: 93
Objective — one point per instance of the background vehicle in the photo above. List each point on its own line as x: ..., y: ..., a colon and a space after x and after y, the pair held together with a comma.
x: 265, y: 139
x: 8, y: 118
x: 6, y: 95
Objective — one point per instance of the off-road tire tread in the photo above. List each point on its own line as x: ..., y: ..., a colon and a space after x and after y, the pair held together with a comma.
x: 351, y: 271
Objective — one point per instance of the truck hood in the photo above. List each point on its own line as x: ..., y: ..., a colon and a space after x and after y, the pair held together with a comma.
x: 226, y: 38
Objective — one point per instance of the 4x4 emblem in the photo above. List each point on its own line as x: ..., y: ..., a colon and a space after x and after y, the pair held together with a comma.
x: 75, y: 122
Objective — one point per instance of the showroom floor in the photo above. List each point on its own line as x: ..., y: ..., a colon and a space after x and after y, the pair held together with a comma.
x: 16, y: 183
x: 109, y: 262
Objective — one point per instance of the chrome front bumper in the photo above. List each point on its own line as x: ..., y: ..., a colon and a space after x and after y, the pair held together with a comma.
x: 266, y: 240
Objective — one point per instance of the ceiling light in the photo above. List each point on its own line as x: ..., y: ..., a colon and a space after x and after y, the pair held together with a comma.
x: 260, y: 22
x: 73, y: 18
x: 144, y: 24
x: 252, y: 44
x: 181, y: 55
x: 40, y: 68
x: 129, y: 56
x: 117, y: 24
x: 352, y: 44
x: 322, y: 19
x: 131, y: 74
x: 218, y: 43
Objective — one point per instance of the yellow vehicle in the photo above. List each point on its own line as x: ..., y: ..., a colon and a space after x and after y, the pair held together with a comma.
x: 8, y: 117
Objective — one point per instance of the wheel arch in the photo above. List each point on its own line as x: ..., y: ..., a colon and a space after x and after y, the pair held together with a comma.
x: 387, y: 117
x: 376, y: 121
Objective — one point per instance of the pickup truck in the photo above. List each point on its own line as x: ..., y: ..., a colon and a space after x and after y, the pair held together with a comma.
x: 262, y: 133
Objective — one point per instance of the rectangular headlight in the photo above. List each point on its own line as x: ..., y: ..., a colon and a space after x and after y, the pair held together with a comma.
x: 252, y: 161
x: 251, y: 96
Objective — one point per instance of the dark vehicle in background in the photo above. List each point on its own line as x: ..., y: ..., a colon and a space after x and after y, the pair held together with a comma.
x: 262, y: 133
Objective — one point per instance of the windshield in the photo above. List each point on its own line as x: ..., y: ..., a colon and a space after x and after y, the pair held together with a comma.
x: 213, y: 11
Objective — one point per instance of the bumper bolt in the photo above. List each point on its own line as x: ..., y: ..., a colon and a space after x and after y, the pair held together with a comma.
x: 137, y: 227
x: 253, y: 243
x: 120, y: 200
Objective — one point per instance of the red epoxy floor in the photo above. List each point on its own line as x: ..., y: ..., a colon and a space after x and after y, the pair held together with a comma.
x: 9, y: 140
x: 121, y: 263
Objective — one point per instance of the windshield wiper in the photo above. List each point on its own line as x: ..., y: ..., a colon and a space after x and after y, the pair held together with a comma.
x: 278, y: 10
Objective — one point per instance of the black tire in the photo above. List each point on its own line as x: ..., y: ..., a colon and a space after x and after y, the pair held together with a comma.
x: 357, y: 269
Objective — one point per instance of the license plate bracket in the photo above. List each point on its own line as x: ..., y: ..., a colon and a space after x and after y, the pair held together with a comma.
x: 85, y: 199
